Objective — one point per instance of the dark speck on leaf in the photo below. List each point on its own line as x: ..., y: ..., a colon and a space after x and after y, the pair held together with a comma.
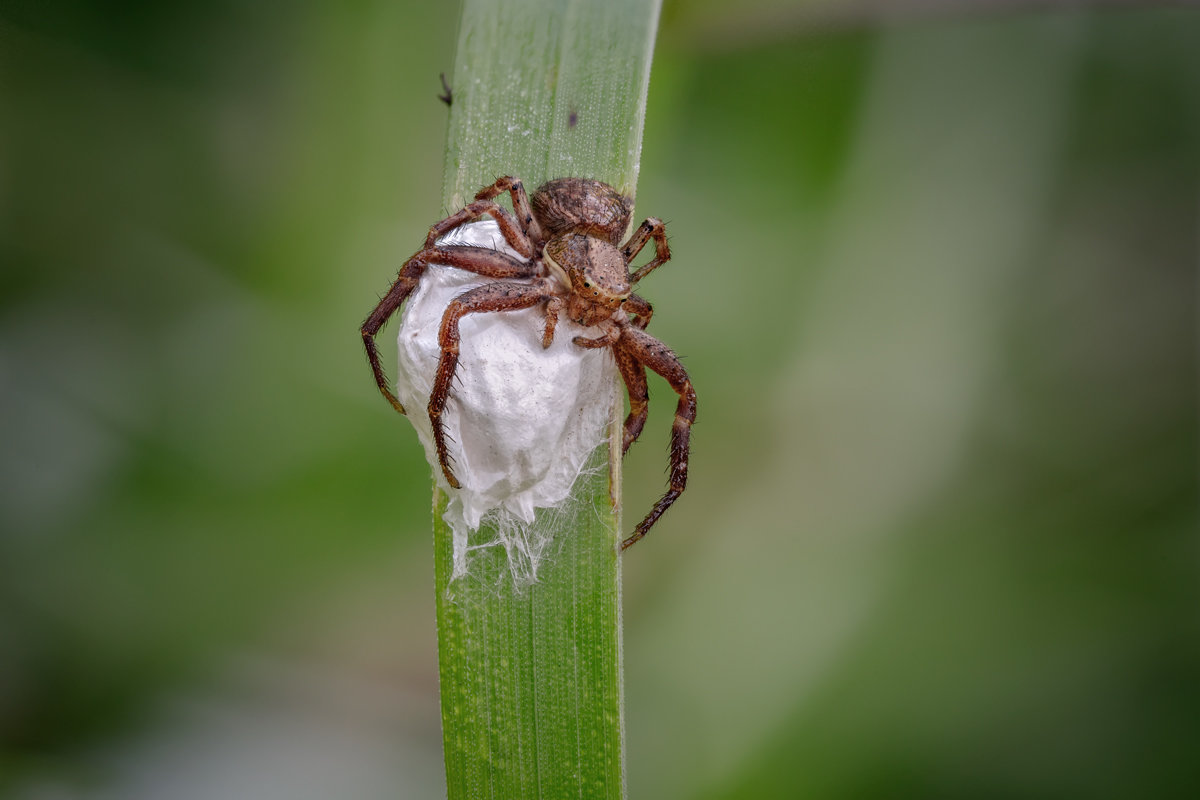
x: 572, y: 119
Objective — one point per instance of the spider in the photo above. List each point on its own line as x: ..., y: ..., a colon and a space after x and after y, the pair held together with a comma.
x: 569, y: 235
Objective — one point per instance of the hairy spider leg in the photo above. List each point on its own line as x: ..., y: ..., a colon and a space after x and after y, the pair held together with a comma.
x: 647, y: 350
x: 634, y: 375
x: 499, y: 296
x: 515, y: 229
x: 632, y: 372
x: 652, y: 228
x: 509, y: 228
x: 609, y: 337
x: 637, y: 307
x: 554, y: 305
x: 480, y: 260
x: 520, y: 201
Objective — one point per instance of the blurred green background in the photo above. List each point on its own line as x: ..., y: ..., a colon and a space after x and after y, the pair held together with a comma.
x: 934, y: 278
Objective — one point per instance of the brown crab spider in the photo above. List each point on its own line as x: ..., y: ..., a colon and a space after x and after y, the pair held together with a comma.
x: 568, y: 236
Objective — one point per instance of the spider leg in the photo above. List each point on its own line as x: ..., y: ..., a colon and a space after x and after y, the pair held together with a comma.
x: 500, y: 296
x: 512, y: 232
x: 648, y: 351
x: 609, y: 337
x: 515, y: 229
x: 652, y: 228
x: 634, y: 375
x: 553, y: 306
x: 481, y: 260
x: 637, y: 307
x: 520, y: 201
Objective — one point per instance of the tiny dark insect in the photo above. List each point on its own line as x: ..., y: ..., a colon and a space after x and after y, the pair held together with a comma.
x: 447, y: 96
x: 572, y: 119
x: 569, y: 235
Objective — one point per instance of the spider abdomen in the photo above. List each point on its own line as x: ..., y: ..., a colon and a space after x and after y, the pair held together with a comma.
x: 581, y: 205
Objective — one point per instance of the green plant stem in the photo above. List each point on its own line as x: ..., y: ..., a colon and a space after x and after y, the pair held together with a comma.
x: 531, y: 676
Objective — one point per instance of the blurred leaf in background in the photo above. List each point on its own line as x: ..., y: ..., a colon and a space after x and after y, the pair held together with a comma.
x: 199, y: 204
x: 935, y: 280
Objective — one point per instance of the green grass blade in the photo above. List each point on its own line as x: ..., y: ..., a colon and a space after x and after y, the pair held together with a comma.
x: 531, y: 676
x: 549, y: 88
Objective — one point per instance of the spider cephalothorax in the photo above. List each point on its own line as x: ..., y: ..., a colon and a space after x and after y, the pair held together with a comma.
x: 572, y: 262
